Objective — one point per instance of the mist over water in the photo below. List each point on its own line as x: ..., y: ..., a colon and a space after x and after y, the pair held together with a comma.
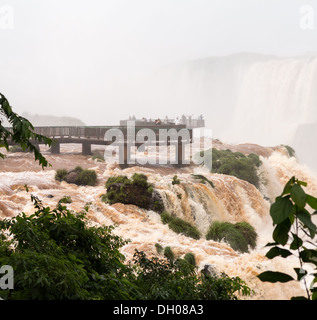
x: 253, y: 98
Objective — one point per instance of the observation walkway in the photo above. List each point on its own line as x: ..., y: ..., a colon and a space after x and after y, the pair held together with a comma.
x: 123, y: 136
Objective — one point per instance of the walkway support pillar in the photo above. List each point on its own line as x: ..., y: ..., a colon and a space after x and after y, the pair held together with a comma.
x: 86, y: 148
x: 55, y: 147
x: 180, y: 155
x: 124, y: 155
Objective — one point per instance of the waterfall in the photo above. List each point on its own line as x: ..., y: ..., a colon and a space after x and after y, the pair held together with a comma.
x: 230, y: 200
x: 274, y: 98
x: 246, y: 97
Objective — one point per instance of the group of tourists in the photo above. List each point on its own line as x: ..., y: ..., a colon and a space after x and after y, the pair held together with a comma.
x: 182, y: 120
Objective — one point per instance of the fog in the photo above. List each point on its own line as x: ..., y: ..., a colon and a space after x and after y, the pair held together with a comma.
x: 102, y: 61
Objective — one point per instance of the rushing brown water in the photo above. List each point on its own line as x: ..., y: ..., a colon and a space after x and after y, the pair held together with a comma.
x: 231, y: 200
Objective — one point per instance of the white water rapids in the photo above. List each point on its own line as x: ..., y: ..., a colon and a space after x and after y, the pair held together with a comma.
x: 231, y: 200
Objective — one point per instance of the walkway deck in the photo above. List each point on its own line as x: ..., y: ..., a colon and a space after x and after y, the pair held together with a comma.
x: 177, y: 135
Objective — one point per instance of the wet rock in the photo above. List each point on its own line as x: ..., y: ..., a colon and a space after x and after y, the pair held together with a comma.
x: 210, y: 270
x: 71, y: 177
x: 156, y: 202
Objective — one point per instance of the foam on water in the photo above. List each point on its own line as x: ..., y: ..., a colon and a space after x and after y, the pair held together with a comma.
x: 230, y: 200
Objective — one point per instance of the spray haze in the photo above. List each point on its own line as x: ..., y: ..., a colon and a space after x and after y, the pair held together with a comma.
x: 248, y: 66
x: 89, y: 59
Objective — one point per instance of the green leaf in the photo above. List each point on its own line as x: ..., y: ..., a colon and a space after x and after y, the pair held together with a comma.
x: 299, y: 196
x: 276, y: 251
x: 272, y: 276
x: 21, y: 132
x: 288, y: 186
x: 309, y: 255
x: 312, y: 201
x: 297, y: 242
x: 305, y: 218
x: 270, y: 244
x: 300, y: 273
x: 281, y: 209
x: 302, y: 183
x: 280, y: 233
x: 299, y: 298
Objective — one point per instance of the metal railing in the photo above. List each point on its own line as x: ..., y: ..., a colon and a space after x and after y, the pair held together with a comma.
x: 99, y: 132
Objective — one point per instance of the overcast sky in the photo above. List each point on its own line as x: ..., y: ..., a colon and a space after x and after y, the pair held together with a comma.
x: 76, y: 57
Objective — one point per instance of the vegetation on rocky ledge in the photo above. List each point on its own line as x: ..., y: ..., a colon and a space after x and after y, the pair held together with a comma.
x: 203, y: 179
x: 240, y: 235
x: 180, y: 226
x: 290, y: 150
x: 135, y: 191
x: 77, y: 176
x: 233, y: 163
